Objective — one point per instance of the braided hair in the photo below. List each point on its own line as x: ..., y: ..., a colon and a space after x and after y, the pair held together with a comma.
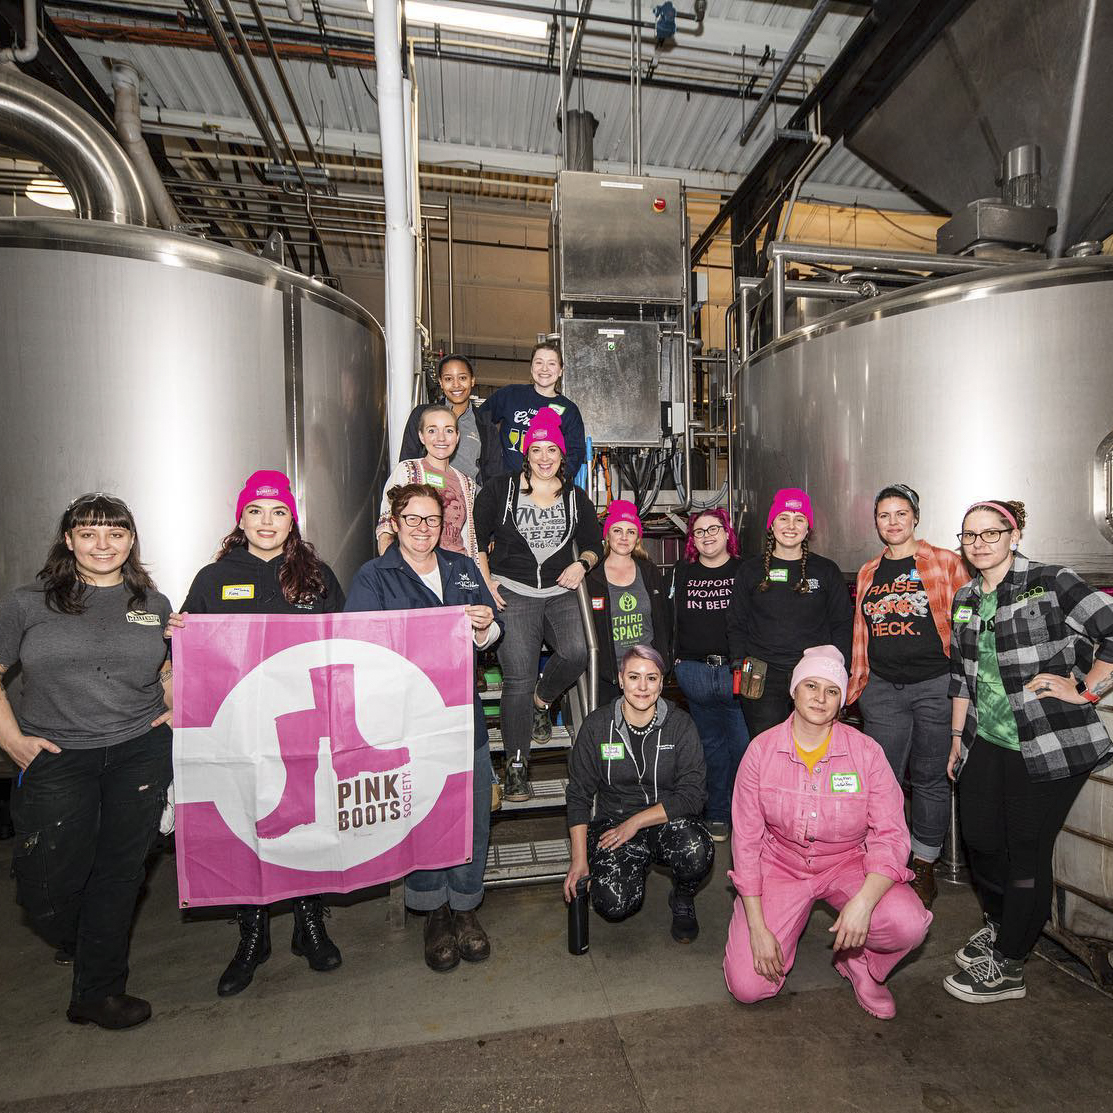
x: 802, y: 587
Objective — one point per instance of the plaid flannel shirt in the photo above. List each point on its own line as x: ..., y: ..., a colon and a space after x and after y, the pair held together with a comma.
x: 1048, y: 620
x: 942, y: 573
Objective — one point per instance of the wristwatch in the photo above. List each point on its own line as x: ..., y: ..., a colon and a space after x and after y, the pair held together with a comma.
x: 587, y: 566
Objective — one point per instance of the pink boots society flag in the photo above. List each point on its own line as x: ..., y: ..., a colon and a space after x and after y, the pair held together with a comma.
x: 320, y: 753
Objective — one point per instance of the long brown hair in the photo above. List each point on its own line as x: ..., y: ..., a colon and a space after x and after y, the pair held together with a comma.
x: 63, y: 586
x: 801, y: 587
x: 300, y: 576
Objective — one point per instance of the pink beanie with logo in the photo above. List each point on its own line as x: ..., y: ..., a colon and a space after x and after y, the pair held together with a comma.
x: 793, y: 500
x: 545, y: 426
x: 824, y: 661
x: 267, y: 485
x: 622, y: 510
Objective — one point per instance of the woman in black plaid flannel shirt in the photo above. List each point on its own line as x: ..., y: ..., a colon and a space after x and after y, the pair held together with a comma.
x: 1031, y: 653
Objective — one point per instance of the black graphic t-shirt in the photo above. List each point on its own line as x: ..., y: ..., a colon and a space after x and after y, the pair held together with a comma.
x: 904, y: 645
x: 701, y: 610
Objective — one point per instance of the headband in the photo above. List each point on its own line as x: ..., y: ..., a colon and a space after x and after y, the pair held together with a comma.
x: 1002, y: 510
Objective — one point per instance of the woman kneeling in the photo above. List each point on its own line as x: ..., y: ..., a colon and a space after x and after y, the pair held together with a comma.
x: 818, y: 815
x: 642, y: 758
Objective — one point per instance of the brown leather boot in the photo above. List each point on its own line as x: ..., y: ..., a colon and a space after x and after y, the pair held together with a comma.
x: 923, y: 884
x: 471, y: 939
x: 441, y: 951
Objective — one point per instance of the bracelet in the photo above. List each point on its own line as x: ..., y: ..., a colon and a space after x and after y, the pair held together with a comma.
x: 956, y: 733
x: 1090, y: 697
x: 584, y: 562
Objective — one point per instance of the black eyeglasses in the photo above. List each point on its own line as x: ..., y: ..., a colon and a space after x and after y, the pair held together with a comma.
x: 989, y: 536
x: 710, y: 531
x: 415, y: 520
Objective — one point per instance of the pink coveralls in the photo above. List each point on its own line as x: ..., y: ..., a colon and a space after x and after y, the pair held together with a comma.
x: 801, y: 837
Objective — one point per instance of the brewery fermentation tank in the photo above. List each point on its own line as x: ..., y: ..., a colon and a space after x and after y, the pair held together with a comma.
x: 165, y: 369
x: 993, y: 384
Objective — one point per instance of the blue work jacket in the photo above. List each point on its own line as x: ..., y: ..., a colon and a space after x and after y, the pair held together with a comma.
x: 388, y: 583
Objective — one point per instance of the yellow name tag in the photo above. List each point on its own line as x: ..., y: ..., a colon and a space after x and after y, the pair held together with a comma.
x: 237, y: 591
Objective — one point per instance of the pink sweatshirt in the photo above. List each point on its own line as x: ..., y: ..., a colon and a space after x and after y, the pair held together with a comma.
x: 790, y: 824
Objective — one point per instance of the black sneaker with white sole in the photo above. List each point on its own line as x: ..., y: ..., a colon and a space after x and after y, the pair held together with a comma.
x: 993, y: 978
x: 977, y: 946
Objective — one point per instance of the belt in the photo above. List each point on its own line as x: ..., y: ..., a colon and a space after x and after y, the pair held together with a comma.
x: 713, y: 659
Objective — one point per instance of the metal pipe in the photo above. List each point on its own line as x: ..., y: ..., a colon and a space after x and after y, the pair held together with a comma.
x: 811, y: 25
x: 428, y: 274
x: 400, y: 262
x: 125, y: 86
x: 451, y: 282
x: 778, y: 295
x: 822, y: 145
x: 40, y: 122
x: 264, y: 30
x: 29, y: 51
x: 249, y: 99
x: 592, y: 647
x: 731, y: 313
x: 862, y: 257
x: 637, y: 89
x: 951, y: 866
x: 796, y: 287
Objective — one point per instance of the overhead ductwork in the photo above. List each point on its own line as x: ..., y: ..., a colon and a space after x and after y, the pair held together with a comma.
x: 125, y: 85
x: 1005, y: 76
x: 37, y: 121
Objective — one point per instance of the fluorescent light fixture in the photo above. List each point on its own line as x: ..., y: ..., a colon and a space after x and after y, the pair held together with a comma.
x: 53, y: 195
x: 484, y: 22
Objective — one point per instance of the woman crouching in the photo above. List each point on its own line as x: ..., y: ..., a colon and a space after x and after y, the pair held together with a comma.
x: 818, y: 815
x: 642, y: 758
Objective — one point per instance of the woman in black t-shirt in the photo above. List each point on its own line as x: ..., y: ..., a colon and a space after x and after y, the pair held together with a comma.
x: 265, y: 567
x: 92, y: 745
x: 787, y: 600
x: 702, y: 588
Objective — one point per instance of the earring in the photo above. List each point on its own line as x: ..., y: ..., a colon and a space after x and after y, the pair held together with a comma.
x: 1013, y: 546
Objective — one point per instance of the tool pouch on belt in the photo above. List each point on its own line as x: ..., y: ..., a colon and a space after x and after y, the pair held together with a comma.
x: 749, y: 680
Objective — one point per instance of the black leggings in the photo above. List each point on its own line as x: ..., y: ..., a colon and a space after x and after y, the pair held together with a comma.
x: 618, y: 876
x: 1009, y: 824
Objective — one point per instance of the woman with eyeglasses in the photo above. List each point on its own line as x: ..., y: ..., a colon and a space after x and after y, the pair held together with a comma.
x: 412, y: 574
x: 478, y: 453
x: 901, y: 672
x: 437, y: 428
x: 629, y: 601
x: 702, y: 586
x: 93, y: 747
x: 1031, y: 653
x: 264, y: 566
x: 787, y: 599
x: 537, y: 519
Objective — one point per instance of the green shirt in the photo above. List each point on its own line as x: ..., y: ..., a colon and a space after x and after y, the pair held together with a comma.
x: 996, y: 721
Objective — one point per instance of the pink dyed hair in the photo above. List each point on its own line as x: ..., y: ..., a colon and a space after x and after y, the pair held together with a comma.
x: 691, y: 553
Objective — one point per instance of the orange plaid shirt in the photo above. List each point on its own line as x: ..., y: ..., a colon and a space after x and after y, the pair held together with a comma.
x: 942, y: 573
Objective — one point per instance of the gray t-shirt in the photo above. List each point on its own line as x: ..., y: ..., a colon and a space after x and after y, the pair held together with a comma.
x: 466, y: 456
x: 91, y: 679
x: 631, y: 616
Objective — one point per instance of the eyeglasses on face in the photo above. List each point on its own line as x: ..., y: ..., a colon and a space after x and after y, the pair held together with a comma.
x: 709, y: 531
x: 415, y: 520
x: 989, y: 536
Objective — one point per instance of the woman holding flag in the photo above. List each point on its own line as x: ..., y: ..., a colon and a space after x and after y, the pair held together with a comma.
x: 417, y: 573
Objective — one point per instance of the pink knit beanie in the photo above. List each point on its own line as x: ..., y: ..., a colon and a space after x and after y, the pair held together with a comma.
x: 545, y: 426
x: 267, y: 485
x: 621, y: 510
x: 824, y: 661
x: 793, y: 500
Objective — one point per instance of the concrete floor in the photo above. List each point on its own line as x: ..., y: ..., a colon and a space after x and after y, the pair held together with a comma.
x: 639, y: 1023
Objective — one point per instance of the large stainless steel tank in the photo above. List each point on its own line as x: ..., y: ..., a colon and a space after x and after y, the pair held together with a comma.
x: 165, y: 369
x: 996, y: 384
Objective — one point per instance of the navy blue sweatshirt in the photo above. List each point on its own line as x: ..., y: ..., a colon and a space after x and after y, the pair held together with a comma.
x: 512, y: 408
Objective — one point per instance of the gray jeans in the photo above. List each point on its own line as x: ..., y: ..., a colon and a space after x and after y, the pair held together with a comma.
x: 529, y: 621
x: 912, y: 724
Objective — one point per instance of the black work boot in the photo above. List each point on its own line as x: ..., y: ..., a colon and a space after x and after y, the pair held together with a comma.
x: 685, y: 926
x: 442, y: 952
x: 310, y: 939
x: 254, y: 949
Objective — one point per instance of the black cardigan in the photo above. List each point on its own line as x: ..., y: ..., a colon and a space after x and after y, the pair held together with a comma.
x: 490, y: 448
x: 659, y: 607
x: 512, y: 558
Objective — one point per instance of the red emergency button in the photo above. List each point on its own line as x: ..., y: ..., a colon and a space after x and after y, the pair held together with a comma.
x: 658, y: 204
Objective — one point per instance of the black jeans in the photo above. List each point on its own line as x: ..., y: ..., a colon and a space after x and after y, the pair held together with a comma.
x: 85, y: 821
x: 618, y: 876
x: 1009, y: 824
x: 773, y: 707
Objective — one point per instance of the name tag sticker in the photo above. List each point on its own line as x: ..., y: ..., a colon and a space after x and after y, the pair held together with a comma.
x: 612, y: 751
x: 597, y: 604
x: 237, y: 591
x: 143, y: 618
x: 433, y: 479
x: 778, y: 575
x: 845, y: 782
x: 557, y: 409
x: 963, y: 614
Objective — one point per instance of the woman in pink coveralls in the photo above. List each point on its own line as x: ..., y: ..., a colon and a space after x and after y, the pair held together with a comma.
x: 818, y: 815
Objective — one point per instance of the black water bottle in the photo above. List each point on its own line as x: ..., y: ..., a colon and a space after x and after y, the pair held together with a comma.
x: 577, y: 920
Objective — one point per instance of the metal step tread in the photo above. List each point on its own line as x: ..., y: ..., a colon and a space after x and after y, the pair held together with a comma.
x: 536, y: 860
x: 561, y: 740
x: 543, y: 794
x: 492, y: 693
